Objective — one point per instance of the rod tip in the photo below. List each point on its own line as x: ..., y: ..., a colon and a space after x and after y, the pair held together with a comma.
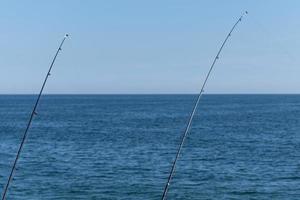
x: 67, y: 35
x: 246, y: 12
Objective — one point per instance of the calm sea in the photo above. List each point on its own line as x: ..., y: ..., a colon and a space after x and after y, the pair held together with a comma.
x: 121, y: 147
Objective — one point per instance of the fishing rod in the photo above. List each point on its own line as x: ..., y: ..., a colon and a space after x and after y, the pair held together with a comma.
x: 33, y: 113
x: 164, y: 196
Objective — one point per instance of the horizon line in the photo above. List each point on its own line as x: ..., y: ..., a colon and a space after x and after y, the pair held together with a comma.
x: 149, y: 94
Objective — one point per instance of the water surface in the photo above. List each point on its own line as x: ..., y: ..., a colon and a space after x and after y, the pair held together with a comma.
x: 121, y: 147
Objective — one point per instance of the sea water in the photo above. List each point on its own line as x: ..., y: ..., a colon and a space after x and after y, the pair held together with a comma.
x: 122, y: 146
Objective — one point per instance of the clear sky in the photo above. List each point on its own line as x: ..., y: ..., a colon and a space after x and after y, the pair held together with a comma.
x: 157, y: 46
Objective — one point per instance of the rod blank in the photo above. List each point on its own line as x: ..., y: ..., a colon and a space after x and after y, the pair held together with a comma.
x: 188, y: 126
x: 33, y: 113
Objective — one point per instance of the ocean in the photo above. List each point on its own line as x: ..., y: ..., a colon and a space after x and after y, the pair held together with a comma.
x: 121, y: 147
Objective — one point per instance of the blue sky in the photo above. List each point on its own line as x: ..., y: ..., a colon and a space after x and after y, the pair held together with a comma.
x: 152, y: 46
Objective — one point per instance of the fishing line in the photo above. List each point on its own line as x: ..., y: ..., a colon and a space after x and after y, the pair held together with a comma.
x: 33, y: 113
x: 164, y: 196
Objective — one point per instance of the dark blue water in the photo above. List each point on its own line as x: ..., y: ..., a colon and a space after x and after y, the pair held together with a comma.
x: 121, y: 147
